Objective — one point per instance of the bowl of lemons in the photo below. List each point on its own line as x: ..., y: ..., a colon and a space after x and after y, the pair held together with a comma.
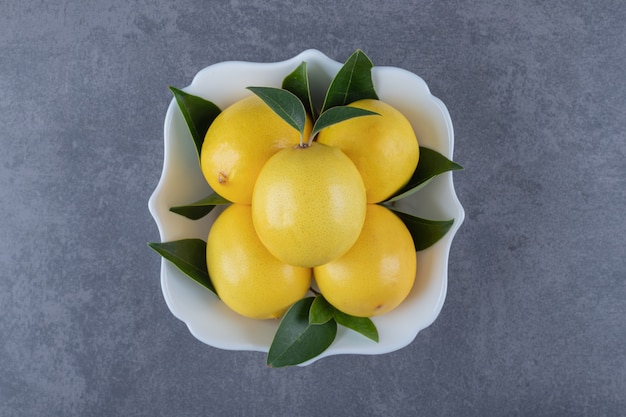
x: 306, y: 208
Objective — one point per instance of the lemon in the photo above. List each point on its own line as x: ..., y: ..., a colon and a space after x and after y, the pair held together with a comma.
x: 247, y: 278
x: 239, y: 142
x: 377, y: 273
x: 308, y: 204
x: 384, y: 148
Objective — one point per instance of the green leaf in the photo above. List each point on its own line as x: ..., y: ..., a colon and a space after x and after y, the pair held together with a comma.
x: 363, y: 325
x: 198, y: 113
x: 339, y: 114
x: 353, y: 82
x: 425, y: 232
x: 285, y: 104
x: 200, y: 208
x: 297, y: 340
x: 188, y: 255
x: 321, y: 311
x: 298, y: 83
x: 431, y: 163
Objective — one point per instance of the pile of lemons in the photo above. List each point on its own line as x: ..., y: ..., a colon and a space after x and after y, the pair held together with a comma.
x: 305, y: 215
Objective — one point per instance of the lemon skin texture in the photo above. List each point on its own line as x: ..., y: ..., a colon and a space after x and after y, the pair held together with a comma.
x: 239, y: 142
x: 247, y: 278
x: 384, y: 148
x: 377, y: 273
x: 308, y: 205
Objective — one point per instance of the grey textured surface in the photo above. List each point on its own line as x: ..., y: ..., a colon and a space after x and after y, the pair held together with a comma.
x: 533, y: 324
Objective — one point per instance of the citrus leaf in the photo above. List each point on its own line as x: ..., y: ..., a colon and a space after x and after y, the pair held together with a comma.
x: 198, y: 113
x: 353, y: 82
x: 285, y: 104
x: 298, y: 83
x: 200, y: 208
x: 296, y: 340
x: 321, y: 311
x: 339, y: 114
x: 425, y: 233
x: 188, y: 255
x: 431, y: 163
x: 363, y: 325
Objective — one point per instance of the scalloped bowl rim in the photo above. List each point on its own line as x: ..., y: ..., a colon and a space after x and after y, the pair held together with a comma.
x: 181, y: 182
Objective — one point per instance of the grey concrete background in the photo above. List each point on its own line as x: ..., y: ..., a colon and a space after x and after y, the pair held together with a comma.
x: 533, y: 324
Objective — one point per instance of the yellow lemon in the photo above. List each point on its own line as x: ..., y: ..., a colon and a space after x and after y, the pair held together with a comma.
x: 308, y: 204
x: 384, y: 148
x: 239, y: 142
x: 377, y: 273
x: 247, y: 278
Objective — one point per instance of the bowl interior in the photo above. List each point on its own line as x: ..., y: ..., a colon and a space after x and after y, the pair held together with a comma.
x: 208, y: 319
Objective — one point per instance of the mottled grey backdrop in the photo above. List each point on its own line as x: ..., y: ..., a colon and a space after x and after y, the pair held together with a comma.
x: 533, y: 324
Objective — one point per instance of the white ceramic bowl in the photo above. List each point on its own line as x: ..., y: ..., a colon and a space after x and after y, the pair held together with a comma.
x: 207, y: 318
